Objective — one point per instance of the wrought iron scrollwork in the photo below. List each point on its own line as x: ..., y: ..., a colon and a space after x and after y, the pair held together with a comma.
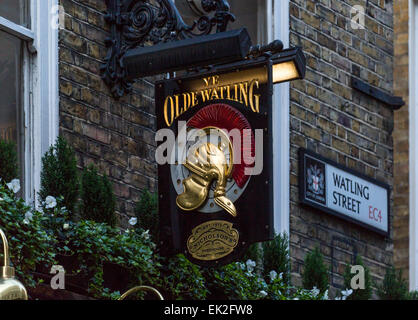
x: 137, y: 23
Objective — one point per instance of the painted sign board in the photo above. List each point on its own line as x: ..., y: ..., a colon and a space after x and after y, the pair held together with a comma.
x: 335, y: 189
x: 216, y: 192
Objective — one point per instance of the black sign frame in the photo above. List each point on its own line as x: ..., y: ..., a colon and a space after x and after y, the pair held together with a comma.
x: 304, y: 199
x: 258, y: 196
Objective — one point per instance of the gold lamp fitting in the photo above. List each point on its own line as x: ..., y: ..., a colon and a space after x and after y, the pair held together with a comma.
x: 142, y: 288
x: 10, y: 288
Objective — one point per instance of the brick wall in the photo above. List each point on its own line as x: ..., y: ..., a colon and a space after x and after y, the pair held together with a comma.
x: 334, y: 120
x: 116, y: 136
x: 400, y: 139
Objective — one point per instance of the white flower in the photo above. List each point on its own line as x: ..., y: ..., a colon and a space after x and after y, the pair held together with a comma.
x: 325, y: 296
x: 14, y: 185
x: 263, y: 293
x: 1, y: 199
x: 273, y: 275
x: 250, y: 265
x: 145, y: 235
x: 346, y: 293
x: 133, y: 221
x: 66, y: 226
x: 315, y: 291
x: 281, y: 275
x: 295, y: 298
x: 26, y: 221
x: 28, y: 215
x: 50, y: 202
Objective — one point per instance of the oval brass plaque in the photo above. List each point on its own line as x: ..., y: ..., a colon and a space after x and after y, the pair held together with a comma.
x: 212, y: 240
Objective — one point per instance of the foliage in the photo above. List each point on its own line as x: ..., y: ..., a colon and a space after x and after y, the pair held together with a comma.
x: 359, y: 294
x: 8, y: 161
x: 413, y: 295
x: 94, y: 244
x: 235, y: 281
x: 276, y: 256
x: 59, y: 174
x: 97, y: 198
x: 30, y: 246
x: 182, y: 280
x: 146, y: 212
x: 253, y: 253
x: 315, y: 273
x: 238, y: 281
x: 394, y: 287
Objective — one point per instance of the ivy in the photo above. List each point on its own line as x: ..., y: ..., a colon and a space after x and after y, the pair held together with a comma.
x: 31, y: 246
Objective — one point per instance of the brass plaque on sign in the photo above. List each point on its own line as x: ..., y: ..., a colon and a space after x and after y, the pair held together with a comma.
x: 212, y: 240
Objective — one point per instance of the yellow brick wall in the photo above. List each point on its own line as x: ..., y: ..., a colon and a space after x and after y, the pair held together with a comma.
x: 400, y: 138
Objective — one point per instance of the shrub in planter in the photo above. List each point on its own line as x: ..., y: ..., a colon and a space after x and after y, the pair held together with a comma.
x: 276, y: 256
x: 235, y: 281
x: 97, y: 197
x: 239, y: 281
x: 8, y: 161
x: 315, y: 273
x: 146, y: 212
x: 358, y: 294
x: 30, y: 246
x: 59, y: 174
x: 394, y: 287
x: 279, y: 289
x: 182, y: 280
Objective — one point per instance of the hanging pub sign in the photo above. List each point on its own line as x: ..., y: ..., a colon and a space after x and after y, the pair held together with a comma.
x: 340, y: 191
x: 215, y: 162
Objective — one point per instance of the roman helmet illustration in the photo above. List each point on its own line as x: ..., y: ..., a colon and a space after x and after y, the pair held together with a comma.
x: 207, y: 162
x: 210, y: 161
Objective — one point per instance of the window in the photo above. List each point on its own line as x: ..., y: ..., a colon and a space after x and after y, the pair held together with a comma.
x: 28, y: 83
x: 11, y: 73
x: 16, y: 11
x: 253, y: 16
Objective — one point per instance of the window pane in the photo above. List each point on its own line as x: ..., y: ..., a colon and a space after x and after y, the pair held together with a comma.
x: 10, y: 88
x: 16, y: 11
x: 250, y: 14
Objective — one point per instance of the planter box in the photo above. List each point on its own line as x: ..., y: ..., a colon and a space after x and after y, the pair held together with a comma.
x: 115, y: 277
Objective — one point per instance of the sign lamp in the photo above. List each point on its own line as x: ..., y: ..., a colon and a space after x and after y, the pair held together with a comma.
x: 214, y: 49
x: 288, y: 65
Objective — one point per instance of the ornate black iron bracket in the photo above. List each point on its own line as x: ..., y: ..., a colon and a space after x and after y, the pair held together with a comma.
x: 137, y: 23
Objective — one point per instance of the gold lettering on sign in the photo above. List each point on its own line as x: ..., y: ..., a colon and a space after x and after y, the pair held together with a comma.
x: 243, y: 92
x: 168, y: 120
x: 212, y: 240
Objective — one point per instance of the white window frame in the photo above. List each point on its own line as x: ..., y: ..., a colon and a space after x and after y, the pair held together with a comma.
x: 278, y: 22
x: 40, y: 88
x: 413, y: 145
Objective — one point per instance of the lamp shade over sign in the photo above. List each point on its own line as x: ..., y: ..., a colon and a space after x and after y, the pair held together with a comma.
x: 219, y: 48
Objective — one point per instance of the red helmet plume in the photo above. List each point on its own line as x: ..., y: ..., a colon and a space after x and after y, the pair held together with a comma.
x: 226, y: 117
